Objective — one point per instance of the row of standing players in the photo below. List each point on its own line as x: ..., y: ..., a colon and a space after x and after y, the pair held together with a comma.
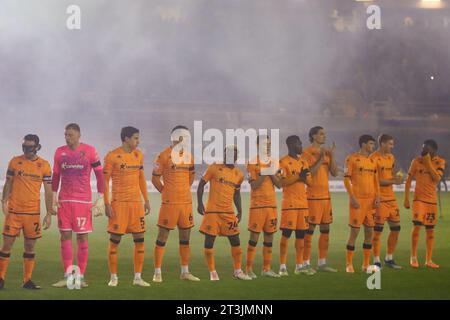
x: 303, y: 176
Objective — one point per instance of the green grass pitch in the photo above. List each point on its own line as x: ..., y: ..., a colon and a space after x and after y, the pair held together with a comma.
x: 404, y: 284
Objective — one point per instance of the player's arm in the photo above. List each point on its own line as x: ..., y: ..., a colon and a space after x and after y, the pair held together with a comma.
x: 334, y: 170
x: 191, y: 175
x: 107, y: 172
x: 254, y: 176
x: 314, y: 166
x: 348, y: 184
x: 376, y: 183
x: 435, y: 174
x: 409, y: 179
x: 56, y: 176
x: 238, y: 203
x: 276, y: 180
x: 200, y: 190
x: 157, y: 173
x: 144, y: 188
x: 48, y: 194
x: 7, y: 189
x: 287, y: 179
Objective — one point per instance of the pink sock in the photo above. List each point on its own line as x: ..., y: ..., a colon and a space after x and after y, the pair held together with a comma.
x: 82, y: 255
x: 66, y: 253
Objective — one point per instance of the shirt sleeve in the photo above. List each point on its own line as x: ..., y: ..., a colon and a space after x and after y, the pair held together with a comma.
x: 412, y: 169
x: 158, y: 165
x: 441, y: 168
x: 284, y: 169
x: 209, y: 173
x: 47, y: 174
x: 241, y: 179
x: 348, y: 167
x: 253, y: 172
x: 11, y: 171
x: 95, y: 160
x: 108, y: 164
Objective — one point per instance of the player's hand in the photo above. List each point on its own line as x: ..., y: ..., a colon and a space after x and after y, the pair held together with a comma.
x: 239, y: 217
x: 109, y: 212
x: 98, y: 209
x: 376, y: 203
x: 406, y: 203
x: 303, y: 175
x: 47, y: 222
x: 5, y: 207
x: 323, y: 152
x: 354, y: 202
x: 332, y: 148
x: 147, y: 207
x: 201, y: 209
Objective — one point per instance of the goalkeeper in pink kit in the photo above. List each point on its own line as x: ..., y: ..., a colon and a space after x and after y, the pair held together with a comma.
x: 72, y: 167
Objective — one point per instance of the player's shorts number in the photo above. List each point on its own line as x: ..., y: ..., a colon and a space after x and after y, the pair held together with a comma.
x: 81, y: 221
x: 232, y: 225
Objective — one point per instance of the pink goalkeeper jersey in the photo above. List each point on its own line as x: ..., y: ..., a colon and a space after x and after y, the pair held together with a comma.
x: 74, y: 168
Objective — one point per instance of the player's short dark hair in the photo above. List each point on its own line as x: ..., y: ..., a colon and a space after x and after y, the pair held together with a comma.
x: 292, y: 139
x: 73, y: 126
x: 32, y: 137
x: 127, y: 132
x: 313, y: 131
x: 431, y: 143
x: 365, y: 138
x: 179, y: 127
x: 383, y: 138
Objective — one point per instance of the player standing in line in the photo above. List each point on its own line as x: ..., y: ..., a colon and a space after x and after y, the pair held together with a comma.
x: 219, y: 218
x: 428, y: 170
x: 126, y: 212
x: 361, y: 182
x: 295, y: 175
x: 388, y: 209
x: 21, y: 205
x: 321, y: 163
x: 176, y: 206
x: 72, y: 165
x: 263, y: 210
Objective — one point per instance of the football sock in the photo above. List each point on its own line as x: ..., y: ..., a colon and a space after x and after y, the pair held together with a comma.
x: 392, y: 242
x: 307, y: 247
x: 299, y: 247
x: 66, y: 254
x: 159, y: 253
x: 236, y: 253
x: 209, y: 257
x: 414, y: 241
x: 138, y: 255
x: 185, y: 252
x: 28, y: 265
x: 283, y: 249
x: 323, y: 245
x: 112, y: 256
x: 429, y: 242
x: 82, y: 255
x: 251, y: 249
x: 267, y: 255
x: 4, y: 261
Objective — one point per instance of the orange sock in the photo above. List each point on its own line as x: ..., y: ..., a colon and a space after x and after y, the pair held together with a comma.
x: 299, y: 248
x: 28, y: 265
x: 236, y: 253
x: 430, y: 242
x: 414, y: 240
x: 159, y: 253
x: 185, y: 253
x: 209, y: 257
x: 367, y: 249
x: 139, y: 253
x: 392, y: 241
x: 267, y: 255
x: 307, y: 246
x: 376, y: 243
x: 251, y: 249
x: 112, y: 255
x: 4, y: 261
x: 283, y: 249
x: 324, y: 240
x: 349, y: 256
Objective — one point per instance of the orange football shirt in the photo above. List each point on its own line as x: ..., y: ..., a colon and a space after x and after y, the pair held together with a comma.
x: 362, y: 172
x: 264, y: 196
x: 425, y: 189
x: 176, y: 177
x: 385, y: 169
x: 27, y: 177
x: 319, y: 188
x: 224, y: 181
x: 294, y: 195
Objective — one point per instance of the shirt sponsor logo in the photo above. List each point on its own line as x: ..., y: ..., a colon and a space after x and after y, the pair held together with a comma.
x: 65, y: 166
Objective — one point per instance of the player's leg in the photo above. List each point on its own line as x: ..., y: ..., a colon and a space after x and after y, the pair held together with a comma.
x: 82, y: 255
x: 251, y: 250
x: 354, y: 231
x: 267, y: 256
x: 367, y: 246
x: 301, y: 227
x: 28, y: 264
x: 158, y: 252
x: 429, y: 245
x: 184, y: 249
x: 5, y: 254
x: 236, y: 253
x: 418, y: 221
x: 308, y: 243
x: 323, y: 248
x: 394, y: 227
x: 285, y: 235
x: 66, y: 256
x: 376, y: 243
x: 138, y: 258
x: 209, y: 256
x: 114, y: 241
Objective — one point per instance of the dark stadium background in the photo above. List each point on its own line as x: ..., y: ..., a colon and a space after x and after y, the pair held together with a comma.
x: 232, y: 64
